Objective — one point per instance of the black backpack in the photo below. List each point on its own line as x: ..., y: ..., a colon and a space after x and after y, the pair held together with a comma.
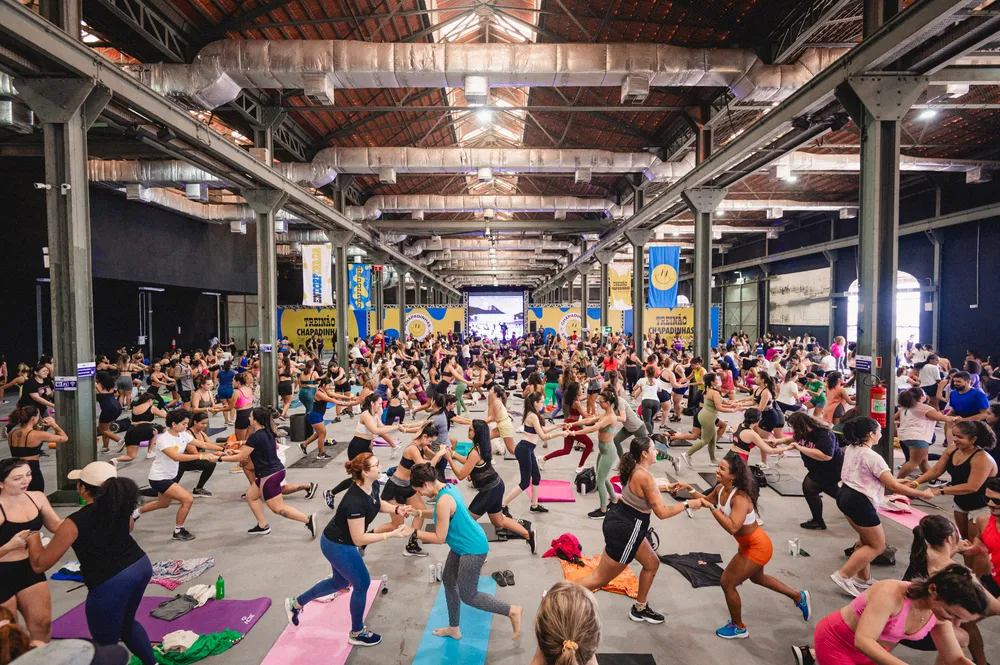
x: 758, y: 476
x: 586, y: 480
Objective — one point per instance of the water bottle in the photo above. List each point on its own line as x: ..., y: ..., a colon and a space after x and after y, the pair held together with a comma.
x: 220, y: 588
x: 385, y: 584
x: 431, y: 573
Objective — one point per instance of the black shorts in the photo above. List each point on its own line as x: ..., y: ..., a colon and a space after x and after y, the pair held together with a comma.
x: 593, y: 391
x: 342, y: 388
x: 624, y: 530
x: 285, y: 388
x: 16, y: 576
x: 138, y: 433
x: 357, y: 446
x: 242, y: 419
x: 489, y: 502
x: 398, y: 493
x: 990, y: 585
x: 109, y: 416
x: 857, y: 507
x: 161, y: 486
x: 185, y: 395
x: 663, y: 396
x: 395, y: 414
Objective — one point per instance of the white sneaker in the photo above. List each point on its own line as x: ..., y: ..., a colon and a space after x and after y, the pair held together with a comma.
x: 687, y: 459
x: 541, y: 463
x: 863, y: 584
x: 846, y: 585
x: 395, y: 451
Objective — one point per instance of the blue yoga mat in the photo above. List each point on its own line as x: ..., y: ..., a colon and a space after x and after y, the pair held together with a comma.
x: 212, y: 431
x: 475, y: 625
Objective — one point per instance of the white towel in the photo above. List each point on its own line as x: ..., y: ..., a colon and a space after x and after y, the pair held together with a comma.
x: 178, y: 641
x: 202, y: 593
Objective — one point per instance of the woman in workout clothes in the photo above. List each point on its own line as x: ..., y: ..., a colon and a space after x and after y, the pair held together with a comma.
x: 916, y: 421
x: 468, y: 550
x: 745, y: 438
x: 567, y: 627
x: 496, y: 414
x: 224, y: 393
x: 836, y: 398
x: 575, y: 409
x: 478, y: 467
x: 341, y: 385
x: 733, y: 502
x: 111, y: 409
x: 158, y: 379
x: 198, y: 443
x: 202, y: 399
x: 316, y: 417
x: 308, y: 381
x: 865, y: 477
x: 627, y: 523
x: 607, y: 448
x: 23, y: 509
x: 713, y: 404
x: 261, y: 448
x: 341, y: 544
x: 123, y: 382
x: 368, y: 428
x: 286, y: 375
x: 524, y: 451
x: 397, y: 489
x: 243, y: 403
x: 823, y: 458
x: 26, y: 440
x: 114, y: 568
x: 141, y: 428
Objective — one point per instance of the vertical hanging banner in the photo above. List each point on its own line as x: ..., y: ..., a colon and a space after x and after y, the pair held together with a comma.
x: 317, y: 275
x: 620, y: 286
x: 359, y: 281
x: 664, y: 262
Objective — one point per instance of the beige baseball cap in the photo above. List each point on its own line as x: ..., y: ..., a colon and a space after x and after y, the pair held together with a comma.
x: 95, y: 473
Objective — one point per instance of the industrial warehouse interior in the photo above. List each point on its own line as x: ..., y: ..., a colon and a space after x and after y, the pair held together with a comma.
x: 548, y: 332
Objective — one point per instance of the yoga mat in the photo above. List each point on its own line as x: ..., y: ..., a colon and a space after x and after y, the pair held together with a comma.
x: 786, y: 486
x: 212, y: 431
x: 213, y: 617
x: 554, y: 491
x: 708, y: 477
x: 474, y: 624
x: 909, y: 520
x: 684, y: 495
x: 377, y: 443
x: 625, y: 659
x: 310, y: 462
x: 321, y: 636
x: 463, y: 448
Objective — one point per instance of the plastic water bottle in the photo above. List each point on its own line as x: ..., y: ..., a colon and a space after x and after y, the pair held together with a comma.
x: 431, y: 573
x: 220, y: 588
x: 385, y: 584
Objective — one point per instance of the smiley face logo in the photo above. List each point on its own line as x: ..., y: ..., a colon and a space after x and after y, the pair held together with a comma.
x: 569, y: 324
x: 664, y: 277
x: 418, y: 326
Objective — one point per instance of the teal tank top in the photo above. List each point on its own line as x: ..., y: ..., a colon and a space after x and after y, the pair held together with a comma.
x: 464, y: 535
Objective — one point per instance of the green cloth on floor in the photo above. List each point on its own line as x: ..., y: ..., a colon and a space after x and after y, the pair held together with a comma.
x: 205, y: 646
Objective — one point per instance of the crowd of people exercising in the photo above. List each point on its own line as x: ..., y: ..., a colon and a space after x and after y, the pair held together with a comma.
x: 794, y: 398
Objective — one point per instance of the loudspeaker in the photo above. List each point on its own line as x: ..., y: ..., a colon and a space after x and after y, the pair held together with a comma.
x: 458, y: 326
x: 531, y: 326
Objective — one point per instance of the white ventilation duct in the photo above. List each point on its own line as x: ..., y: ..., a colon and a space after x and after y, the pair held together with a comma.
x: 809, y: 161
x: 152, y: 173
x: 222, y: 213
x: 376, y: 205
x: 502, y: 256
x: 481, y: 245
x: 222, y: 68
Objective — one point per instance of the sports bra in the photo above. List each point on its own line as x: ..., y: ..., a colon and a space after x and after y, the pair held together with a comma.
x: 362, y: 429
x: 727, y: 509
x: 10, y: 529
x: 740, y: 443
x: 144, y: 417
x: 25, y: 451
x: 504, y: 416
x: 637, y: 502
x: 895, y: 627
x: 528, y: 429
x: 406, y: 463
x: 242, y: 400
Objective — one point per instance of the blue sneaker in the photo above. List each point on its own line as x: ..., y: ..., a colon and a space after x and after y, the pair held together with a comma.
x: 365, y: 638
x: 291, y: 612
x: 732, y: 632
x: 805, y: 605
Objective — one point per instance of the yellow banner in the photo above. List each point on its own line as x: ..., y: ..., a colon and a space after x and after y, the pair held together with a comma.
x: 424, y: 321
x: 566, y: 320
x: 300, y: 323
x: 620, y: 286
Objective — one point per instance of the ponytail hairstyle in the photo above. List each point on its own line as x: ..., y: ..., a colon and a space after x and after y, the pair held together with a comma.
x: 14, y: 641
x: 764, y: 379
x: 612, y: 399
x: 711, y: 379
x: 104, y: 378
x: 751, y: 417
x: 262, y: 416
x: 142, y: 399
x: 356, y: 467
x: 650, y: 372
x: 954, y: 585
x: 857, y: 430
x: 531, y: 401
x: 440, y: 401
x: 933, y: 530
x: 742, y: 478
x: 373, y: 398
x: 630, y: 460
x: 421, y: 474
x: 22, y: 415
x: 833, y: 379
x: 802, y: 423
x: 428, y: 431
x: 241, y: 378
x: 500, y: 393
x: 570, y: 395
x: 568, y: 625
x: 481, y: 439
x: 909, y: 398
x: 200, y: 381
x: 981, y: 434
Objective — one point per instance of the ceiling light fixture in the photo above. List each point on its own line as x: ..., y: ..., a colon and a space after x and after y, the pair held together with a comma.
x: 792, y: 178
x: 484, y: 117
x: 927, y: 114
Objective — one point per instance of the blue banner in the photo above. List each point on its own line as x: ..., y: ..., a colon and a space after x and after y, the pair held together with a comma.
x: 359, y: 281
x: 664, y: 262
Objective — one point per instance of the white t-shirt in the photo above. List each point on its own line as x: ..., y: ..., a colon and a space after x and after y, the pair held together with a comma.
x: 788, y: 393
x: 355, y: 353
x: 929, y: 375
x: 861, y: 471
x: 918, y: 356
x: 829, y: 364
x: 914, y: 425
x: 164, y: 468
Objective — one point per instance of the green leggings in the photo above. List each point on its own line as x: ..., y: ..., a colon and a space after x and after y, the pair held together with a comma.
x: 459, y: 391
x: 550, y: 393
x: 706, y: 420
x: 607, y: 455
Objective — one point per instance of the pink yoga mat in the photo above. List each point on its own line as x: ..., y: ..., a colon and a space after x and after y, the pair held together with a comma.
x: 213, y: 617
x: 321, y: 636
x: 554, y: 491
x: 909, y: 520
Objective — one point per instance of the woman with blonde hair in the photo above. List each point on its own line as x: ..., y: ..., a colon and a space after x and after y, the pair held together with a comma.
x: 567, y: 627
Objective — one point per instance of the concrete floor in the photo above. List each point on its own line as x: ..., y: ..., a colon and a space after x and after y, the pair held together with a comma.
x: 286, y: 562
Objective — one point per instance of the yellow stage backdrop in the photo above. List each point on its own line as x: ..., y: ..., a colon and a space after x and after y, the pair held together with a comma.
x: 424, y: 321
x: 299, y: 323
x: 566, y: 320
x: 678, y: 321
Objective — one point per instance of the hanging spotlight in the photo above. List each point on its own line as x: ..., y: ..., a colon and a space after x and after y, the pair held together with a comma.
x: 792, y: 178
x: 927, y: 114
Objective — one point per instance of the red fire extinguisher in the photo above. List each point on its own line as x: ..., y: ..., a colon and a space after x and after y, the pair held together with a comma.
x: 173, y: 344
x: 878, y: 404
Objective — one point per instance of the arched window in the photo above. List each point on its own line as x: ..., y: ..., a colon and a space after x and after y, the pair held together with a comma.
x: 682, y: 301
x: 907, y: 308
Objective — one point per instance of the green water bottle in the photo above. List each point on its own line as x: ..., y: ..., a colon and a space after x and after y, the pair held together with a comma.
x: 220, y: 588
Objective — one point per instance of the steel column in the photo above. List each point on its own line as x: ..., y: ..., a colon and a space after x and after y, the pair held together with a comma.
x: 831, y: 257
x: 765, y: 300
x: 639, y: 238
x: 401, y: 299
x: 937, y: 239
x: 605, y: 257
x: 584, y: 271
x: 703, y: 201
x: 379, y: 259
x: 341, y: 240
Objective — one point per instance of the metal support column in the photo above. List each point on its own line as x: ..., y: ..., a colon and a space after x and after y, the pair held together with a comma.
x: 379, y: 259
x: 831, y: 257
x: 67, y: 108
x: 639, y: 238
x: 605, y: 257
x: 765, y: 298
x: 401, y: 299
x: 341, y: 240
x: 937, y: 239
x: 703, y: 201
x: 877, y: 103
x: 584, y: 271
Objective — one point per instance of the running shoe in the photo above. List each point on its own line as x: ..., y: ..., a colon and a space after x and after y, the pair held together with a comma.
x: 541, y: 463
x: 732, y: 632
x: 260, y: 530
x: 538, y: 509
x: 113, y: 462
x: 646, y: 614
x: 322, y: 456
x: 935, y: 484
x: 311, y: 492
x: 506, y: 512
x: 291, y: 612
x: 863, y: 584
x: 311, y: 525
x: 846, y: 585
x: 395, y: 451
x: 687, y: 459
x: 183, y: 534
x: 200, y: 491
x: 804, y: 604
x: 803, y: 655
x: 813, y: 525
x: 413, y: 549
x: 531, y: 540
x: 302, y: 447
x: 336, y: 420
x: 597, y: 514
x: 365, y: 638
x: 330, y: 498
x: 675, y: 464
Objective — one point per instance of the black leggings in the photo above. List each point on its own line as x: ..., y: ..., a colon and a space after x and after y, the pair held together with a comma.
x: 207, y: 469
x: 813, y: 491
x: 528, y: 464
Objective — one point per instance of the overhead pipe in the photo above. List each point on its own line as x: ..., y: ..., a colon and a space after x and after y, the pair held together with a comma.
x: 483, y: 245
x: 502, y: 255
x: 318, y: 67
x: 208, y: 212
x: 376, y: 205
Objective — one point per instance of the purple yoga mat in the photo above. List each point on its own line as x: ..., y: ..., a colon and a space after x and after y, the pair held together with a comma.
x: 213, y: 617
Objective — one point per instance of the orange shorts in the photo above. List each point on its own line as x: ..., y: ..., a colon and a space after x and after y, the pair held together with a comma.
x: 757, y: 546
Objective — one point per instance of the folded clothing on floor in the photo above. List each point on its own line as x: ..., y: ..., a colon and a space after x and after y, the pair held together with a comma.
x: 626, y: 584
x: 211, y: 644
x: 70, y: 571
x: 175, y: 607
x: 698, y: 568
x: 172, y: 573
